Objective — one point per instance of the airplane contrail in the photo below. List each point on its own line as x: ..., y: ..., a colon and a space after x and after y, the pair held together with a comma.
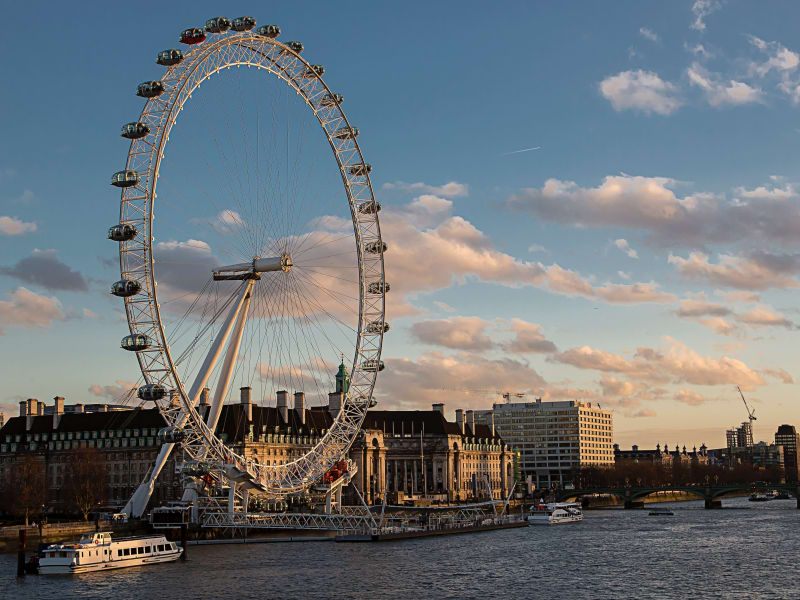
x: 523, y: 150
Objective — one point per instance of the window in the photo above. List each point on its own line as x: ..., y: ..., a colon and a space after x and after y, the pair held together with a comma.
x: 119, y: 552
x: 161, y: 547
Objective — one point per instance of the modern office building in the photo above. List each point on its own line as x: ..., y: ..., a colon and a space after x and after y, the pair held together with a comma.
x: 553, y: 438
x: 788, y: 437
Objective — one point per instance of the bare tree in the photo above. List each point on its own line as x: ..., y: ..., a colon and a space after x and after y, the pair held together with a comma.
x: 85, y: 481
x: 24, y: 490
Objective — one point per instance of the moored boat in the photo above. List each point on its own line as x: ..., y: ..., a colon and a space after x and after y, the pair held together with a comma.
x: 555, y: 513
x: 660, y: 512
x: 100, y: 552
x: 759, y: 497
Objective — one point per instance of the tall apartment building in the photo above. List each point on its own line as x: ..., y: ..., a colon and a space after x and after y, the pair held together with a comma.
x: 553, y: 438
x: 788, y: 437
x: 740, y: 437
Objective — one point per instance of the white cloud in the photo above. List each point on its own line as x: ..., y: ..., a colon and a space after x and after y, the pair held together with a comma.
x: 648, y: 34
x: 458, y: 333
x: 641, y: 90
x: 767, y: 213
x: 43, y: 268
x: 443, y: 306
x: 779, y: 58
x: 624, y: 275
x: 528, y: 339
x: 623, y: 245
x: 679, y: 364
x: 90, y: 314
x: 701, y: 9
x: 463, y: 380
x: 118, y: 393
x: 533, y: 248
x: 757, y: 272
x: 765, y: 317
x: 719, y: 93
x: 15, y: 226
x: 29, y: 309
x: 448, y: 190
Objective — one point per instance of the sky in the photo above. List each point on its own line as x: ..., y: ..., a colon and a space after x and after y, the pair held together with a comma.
x: 593, y: 201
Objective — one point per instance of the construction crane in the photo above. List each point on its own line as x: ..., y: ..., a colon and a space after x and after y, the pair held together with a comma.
x: 751, y: 414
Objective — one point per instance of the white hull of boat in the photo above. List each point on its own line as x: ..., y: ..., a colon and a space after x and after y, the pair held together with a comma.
x: 45, y: 569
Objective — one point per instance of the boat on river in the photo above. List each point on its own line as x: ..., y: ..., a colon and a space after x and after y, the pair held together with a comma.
x: 555, y: 513
x: 660, y: 512
x: 100, y: 552
x: 759, y: 497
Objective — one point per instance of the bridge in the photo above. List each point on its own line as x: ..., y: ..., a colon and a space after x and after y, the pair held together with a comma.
x: 710, y: 493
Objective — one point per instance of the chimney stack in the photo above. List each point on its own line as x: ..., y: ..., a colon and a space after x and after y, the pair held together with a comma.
x: 247, y: 401
x: 471, y: 421
x: 491, y: 422
x: 300, y: 406
x: 58, y: 405
x: 77, y: 408
x: 40, y: 409
x: 335, y: 403
x: 33, y: 407
x: 23, y: 408
x: 460, y: 420
x: 283, y: 405
x: 438, y: 407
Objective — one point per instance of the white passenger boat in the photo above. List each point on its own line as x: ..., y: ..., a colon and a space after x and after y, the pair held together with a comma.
x: 100, y: 552
x: 555, y: 513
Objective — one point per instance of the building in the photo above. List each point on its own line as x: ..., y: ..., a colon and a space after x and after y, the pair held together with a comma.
x: 665, y: 457
x: 788, y: 437
x: 740, y: 437
x: 128, y: 440
x: 401, y: 455
x: 553, y: 438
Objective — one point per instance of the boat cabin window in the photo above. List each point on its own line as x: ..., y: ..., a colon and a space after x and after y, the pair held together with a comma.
x: 161, y: 547
x: 119, y: 552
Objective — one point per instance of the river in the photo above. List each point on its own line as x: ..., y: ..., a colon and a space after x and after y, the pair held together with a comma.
x: 745, y: 550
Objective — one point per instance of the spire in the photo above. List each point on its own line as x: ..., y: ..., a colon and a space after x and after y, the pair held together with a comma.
x: 342, y: 379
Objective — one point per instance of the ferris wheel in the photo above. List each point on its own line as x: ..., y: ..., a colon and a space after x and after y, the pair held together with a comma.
x: 247, y: 255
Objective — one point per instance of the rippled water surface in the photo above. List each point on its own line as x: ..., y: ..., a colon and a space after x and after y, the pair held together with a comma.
x: 745, y: 551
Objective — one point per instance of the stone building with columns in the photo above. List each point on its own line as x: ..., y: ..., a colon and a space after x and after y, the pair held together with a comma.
x: 402, y: 456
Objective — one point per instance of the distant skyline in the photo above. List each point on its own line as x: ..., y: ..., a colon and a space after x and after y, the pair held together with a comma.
x: 584, y: 201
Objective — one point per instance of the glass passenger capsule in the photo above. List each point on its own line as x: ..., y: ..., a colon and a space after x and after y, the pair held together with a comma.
x: 295, y: 47
x: 134, y: 131
x: 375, y: 247
x: 331, y: 100
x: 372, y: 365
x: 218, y: 25
x: 369, y: 208
x: 243, y: 23
x: 377, y: 327
x: 171, y: 435
x: 126, y: 287
x: 150, y: 89
x: 197, y: 469
x: 152, y: 392
x: 360, y: 170
x: 313, y: 71
x: 378, y: 287
x: 124, y: 179
x: 122, y: 232
x: 136, y: 342
x: 346, y: 133
x: 270, y: 31
x: 363, y: 400
x: 193, y: 35
x: 167, y: 58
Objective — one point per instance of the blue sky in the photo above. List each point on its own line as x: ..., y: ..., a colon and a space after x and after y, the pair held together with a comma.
x: 644, y: 256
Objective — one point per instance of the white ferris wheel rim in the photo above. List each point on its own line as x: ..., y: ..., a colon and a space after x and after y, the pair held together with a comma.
x: 137, y: 207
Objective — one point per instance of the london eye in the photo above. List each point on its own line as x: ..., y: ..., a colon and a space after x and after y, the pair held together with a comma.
x: 250, y: 251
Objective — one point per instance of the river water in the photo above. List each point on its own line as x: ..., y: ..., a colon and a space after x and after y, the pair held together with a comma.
x: 745, y: 550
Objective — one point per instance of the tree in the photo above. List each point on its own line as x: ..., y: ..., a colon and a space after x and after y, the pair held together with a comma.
x: 24, y: 490
x: 85, y: 481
